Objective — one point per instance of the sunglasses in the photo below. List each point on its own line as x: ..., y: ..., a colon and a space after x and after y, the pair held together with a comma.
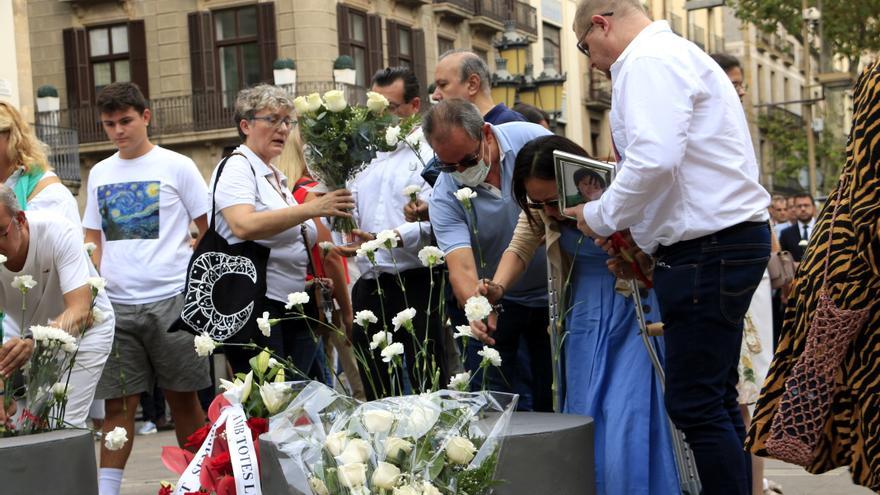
x: 465, y: 163
x: 539, y: 205
x: 585, y: 49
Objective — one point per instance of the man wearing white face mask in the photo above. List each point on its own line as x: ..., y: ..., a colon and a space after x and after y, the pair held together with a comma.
x: 474, y: 154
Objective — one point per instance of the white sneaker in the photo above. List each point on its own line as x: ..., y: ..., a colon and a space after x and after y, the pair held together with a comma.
x: 148, y: 428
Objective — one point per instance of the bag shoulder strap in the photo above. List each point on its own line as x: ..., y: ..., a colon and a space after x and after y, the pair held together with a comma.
x: 217, y: 180
x: 310, y: 269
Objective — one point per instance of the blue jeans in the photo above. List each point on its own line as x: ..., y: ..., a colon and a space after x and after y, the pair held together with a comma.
x: 518, y: 325
x: 704, y: 287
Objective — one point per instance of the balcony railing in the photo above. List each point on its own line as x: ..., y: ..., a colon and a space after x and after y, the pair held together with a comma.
x: 526, y: 17
x: 183, y: 114
x: 496, y: 10
x: 454, y: 8
x: 64, y: 145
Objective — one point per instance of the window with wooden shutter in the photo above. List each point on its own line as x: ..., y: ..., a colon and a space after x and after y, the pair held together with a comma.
x: 401, y: 50
x: 342, y: 30
x: 552, y: 46
x: 137, y: 51
x: 237, y: 49
x: 360, y: 37
x: 266, y: 40
x: 420, y: 62
x: 358, y: 40
x: 376, y: 54
x: 76, y: 67
x: 201, y: 52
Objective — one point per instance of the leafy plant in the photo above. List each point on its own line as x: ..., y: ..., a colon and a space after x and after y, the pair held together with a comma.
x: 284, y: 63
x: 343, y: 62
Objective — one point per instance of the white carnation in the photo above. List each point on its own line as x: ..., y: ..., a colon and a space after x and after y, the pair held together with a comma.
x: 381, y: 339
x: 296, y: 299
x: 477, y: 308
x: 392, y: 135
x: 326, y: 246
x: 368, y: 249
x: 265, y: 324
x: 465, y: 194
x: 463, y: 331
x: 403, y: 318
x: 412, y: 190
x: 90, y: 247
x: 365, y: 317
x: 388, y: 353
x: 51, y: 336
x: 204, y: 345
x: 24, y: 283
x: 115, y: 440
x: 490, y: 356
x: 97, y: 283
x: 460, y: 381
x: 98, y: 316
x: 387, y: 239
x: 61, y: 390
x: 431, y: 256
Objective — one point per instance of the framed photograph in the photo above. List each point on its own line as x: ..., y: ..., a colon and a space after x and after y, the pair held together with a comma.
x: 580, y: 179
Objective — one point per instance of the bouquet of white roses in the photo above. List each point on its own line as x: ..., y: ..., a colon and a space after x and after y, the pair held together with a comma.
x: 445, y: 442
x: 340, y: 139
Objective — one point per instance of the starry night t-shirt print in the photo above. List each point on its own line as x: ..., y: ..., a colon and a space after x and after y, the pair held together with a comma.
x: 129, y: 210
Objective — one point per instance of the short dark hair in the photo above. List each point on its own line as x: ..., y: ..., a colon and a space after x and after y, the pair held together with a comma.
x: 532, y: 113
x: 121, y: 96
x: 535, y: 160
x: 583, y: 173
x: 727, y: 62
x: 803, y: 194
x: 390, y: 75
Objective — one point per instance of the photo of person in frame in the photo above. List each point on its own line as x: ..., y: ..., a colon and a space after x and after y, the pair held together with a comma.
x: 581, y: 180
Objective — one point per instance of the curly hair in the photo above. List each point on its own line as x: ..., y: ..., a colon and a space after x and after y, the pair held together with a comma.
x: 23, y: 148
x: 260, y: 97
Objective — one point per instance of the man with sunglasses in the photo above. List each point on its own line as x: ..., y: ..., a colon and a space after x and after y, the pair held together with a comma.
x: 687, y: 189
x: 472, y: 153
x: 49, y: 248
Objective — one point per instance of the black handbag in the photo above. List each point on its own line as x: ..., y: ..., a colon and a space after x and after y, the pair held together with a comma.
x: 225, y: 284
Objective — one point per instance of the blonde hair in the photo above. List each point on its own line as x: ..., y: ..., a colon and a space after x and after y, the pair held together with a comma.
x: 23, y: 148
x: 292, y: 161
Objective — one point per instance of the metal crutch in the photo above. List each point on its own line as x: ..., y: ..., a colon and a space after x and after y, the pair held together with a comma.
x: 688, y: 477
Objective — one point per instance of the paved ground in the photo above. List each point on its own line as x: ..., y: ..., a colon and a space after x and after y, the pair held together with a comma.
x: 145, y: 471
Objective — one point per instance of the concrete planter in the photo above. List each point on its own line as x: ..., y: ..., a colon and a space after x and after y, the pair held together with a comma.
x: 48, y: 104
x: 285, y: 77
x: 346, y: 76
x: 61, y: 461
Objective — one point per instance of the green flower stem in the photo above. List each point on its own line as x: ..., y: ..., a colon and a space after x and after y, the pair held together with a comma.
x: 481, y: 267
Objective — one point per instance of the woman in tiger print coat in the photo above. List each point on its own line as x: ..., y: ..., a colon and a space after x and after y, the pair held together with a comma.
x: 851, y: 435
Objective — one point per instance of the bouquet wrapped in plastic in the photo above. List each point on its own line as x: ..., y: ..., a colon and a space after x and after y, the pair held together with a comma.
x: 446, y: 442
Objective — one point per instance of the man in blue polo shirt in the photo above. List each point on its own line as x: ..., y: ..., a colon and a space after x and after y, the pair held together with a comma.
x: 475, y: 154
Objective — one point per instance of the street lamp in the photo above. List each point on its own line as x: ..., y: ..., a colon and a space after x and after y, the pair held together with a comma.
x: 504, y: 84
x: 550, y: 84
x: 528, y: 91
x: 513, y: 47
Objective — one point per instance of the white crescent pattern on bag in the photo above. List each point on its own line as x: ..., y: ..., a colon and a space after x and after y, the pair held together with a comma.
x: 199, y: 311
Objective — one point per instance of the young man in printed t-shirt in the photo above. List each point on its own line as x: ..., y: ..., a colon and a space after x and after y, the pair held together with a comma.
x: 140, y: 204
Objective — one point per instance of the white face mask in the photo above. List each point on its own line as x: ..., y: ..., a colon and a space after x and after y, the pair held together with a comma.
x: 473, y: 176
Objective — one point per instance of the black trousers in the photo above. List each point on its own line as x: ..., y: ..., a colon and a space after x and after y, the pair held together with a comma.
x: 365, y: 295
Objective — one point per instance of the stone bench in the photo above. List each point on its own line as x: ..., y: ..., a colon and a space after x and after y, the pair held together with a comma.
x: 61, y: 461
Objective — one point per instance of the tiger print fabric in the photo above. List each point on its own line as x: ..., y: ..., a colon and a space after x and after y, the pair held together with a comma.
x: 851, y: 436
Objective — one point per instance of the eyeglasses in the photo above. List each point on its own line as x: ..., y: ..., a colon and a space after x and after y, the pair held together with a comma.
x: 585, y: 49
x: 465, y: 163
x: 276, y: 121
x: 539, y: 205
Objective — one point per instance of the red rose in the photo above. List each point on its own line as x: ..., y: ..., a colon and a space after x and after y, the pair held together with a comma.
x: 258, y: 426
x: 165, y: 489
x: 226, y: 486
x: 198, y: 437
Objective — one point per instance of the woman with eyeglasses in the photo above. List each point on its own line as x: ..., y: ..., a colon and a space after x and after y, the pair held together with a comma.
x: 254, y: 202
x: 608, y: 373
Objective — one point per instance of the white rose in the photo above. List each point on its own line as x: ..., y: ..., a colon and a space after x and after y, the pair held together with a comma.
x: 378, y: 421
x: 387, y: 238
x: 296, y: 299
x: 275, y: 396
x: 429, y: 489
x: 415, y: 138
x: 89, y: 247
x: 61, y: 390
x: 24, y: 283
x: 465, y: 194
x: 314, y: 102
x: 460, y: 381
x: 335, y: 442
x: 396, y: 447
x: 477, y: 308
x: 355, y: 451
x: 403, y: 318
x: 385, y: 476
x: 431, y: 256
x: 98, y: 316
x: 353, y: 475
x: 264, y: 325
x: 490, y: 356
x: 412, y: 191
x: 388, y: 353
x: 204, y: 345
x: 365, y: 317
x: 334, y: 100
x: 301, y: 105
x: 460, y: 450
x: 422, y: 418
x: 406, y: 490
x: 115, y: 440
x: 318, y: 486
x: 381, y: 339
x: 376, y: 103
x: 392, y: 135
x: 463, y: 331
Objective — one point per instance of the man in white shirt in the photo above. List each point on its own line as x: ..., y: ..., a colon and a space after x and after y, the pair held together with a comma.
x: 795, y: 237
x: 379, y: 202
x: 47, y: 247
x: 140, y: 204
x: 687, y: 189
